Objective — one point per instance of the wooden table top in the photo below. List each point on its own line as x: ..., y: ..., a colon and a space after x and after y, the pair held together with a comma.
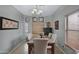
x: 49, y: 40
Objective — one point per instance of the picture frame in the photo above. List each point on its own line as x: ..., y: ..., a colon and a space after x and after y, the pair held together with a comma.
x: 6, y: 24
x: 34, y: 19
x: 41, y: 19
x: 57, y: 25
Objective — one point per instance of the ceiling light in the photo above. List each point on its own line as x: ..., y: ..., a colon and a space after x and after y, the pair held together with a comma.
x: 36, y: 11
x: 39, y: 12
x: 32, y: 12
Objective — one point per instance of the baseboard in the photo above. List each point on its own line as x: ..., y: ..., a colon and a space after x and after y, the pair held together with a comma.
x: 70, y: 47
x: 3, y: 52
x: 60, y: 49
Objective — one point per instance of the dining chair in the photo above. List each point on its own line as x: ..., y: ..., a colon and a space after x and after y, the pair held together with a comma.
x: 25, y: 48
x: 52, y: 37
x: 29, y: 36
x: 40, y: 45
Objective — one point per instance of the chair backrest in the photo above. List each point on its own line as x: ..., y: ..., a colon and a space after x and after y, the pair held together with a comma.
x: 54, y: 36
x: 50, y: 35
x: 40, y: 45
x: 29, y: 36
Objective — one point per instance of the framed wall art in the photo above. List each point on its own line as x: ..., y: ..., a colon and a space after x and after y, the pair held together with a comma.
x: 57, y: 25
x: 6, y: 24
x: 34, y: 19
x: 41, y: 19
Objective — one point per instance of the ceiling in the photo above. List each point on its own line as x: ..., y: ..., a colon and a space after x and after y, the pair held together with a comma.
x: 48, y: 10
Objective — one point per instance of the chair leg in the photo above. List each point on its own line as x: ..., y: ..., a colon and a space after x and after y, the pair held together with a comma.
x: 49, y: 50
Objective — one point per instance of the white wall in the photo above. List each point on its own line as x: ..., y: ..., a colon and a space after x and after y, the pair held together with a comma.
x: 8, y: 36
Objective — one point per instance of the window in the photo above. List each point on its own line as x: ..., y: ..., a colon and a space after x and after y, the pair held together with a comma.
x: 72, y: 31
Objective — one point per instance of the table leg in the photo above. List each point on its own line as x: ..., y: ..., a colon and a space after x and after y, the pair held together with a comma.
x: 52, y: 49
x: 29, y: 49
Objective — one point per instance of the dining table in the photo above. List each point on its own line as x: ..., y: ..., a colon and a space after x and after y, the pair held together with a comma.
x: 51, y: 42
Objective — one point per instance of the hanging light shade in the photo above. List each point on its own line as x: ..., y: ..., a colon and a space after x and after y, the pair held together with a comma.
x: 36, y: 11
x: 39, y: 12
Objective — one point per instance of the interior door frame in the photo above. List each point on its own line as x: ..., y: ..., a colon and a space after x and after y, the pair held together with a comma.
x: 66, y: 27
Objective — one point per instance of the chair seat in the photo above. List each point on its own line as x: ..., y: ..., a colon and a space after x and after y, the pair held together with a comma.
x: 49, y: 47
